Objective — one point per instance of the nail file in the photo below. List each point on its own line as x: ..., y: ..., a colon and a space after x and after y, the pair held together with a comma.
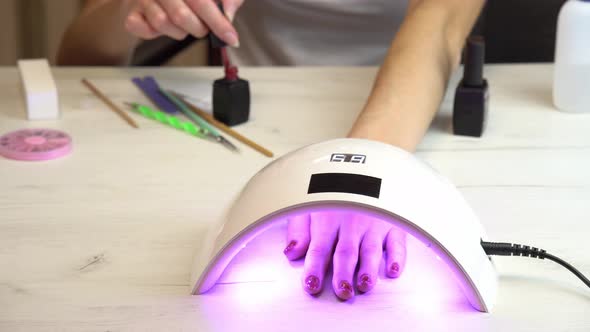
x: 35, y: 144
x: 40, y: 89
x: 150, y: 87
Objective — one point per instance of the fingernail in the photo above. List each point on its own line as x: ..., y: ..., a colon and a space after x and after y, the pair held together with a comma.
x: 290, y: 247
x: 230, y: 13
x: 232, y: 39
x: 345, y: 290
x: 312, y: 283
x: 394, y: 271
x: 364, y: 283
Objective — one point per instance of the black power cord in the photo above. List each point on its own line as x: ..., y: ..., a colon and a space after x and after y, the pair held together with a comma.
x: 511, y: 249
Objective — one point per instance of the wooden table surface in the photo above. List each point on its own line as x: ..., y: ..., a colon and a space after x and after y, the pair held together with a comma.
x: 103, y: 239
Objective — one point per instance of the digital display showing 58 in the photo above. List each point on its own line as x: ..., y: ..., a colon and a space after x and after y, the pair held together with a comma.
x: 344, y: 183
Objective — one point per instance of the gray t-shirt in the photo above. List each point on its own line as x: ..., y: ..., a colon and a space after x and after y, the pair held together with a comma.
x: 320, y: 32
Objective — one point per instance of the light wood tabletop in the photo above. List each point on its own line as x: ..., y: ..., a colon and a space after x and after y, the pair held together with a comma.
x: 103, y: 239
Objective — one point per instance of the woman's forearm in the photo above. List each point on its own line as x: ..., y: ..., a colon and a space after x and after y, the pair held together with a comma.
x: 98, y: 36
x: 412, y: 81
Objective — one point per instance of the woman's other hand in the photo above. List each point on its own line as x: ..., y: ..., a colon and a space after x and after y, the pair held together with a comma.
x: 344, y: 240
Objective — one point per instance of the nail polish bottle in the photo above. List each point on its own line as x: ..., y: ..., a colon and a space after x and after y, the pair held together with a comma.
x: 231, y: 98
x: 471, y: 96
x: 231, y: 94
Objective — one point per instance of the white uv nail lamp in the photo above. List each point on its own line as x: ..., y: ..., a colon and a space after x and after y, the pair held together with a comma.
x: 359, y: 176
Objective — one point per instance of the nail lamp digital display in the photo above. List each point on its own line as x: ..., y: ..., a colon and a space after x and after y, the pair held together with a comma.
x: 358, y: 176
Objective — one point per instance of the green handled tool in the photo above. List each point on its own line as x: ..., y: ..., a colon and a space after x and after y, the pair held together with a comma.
x: 168, y: 120
x: 209, y: 129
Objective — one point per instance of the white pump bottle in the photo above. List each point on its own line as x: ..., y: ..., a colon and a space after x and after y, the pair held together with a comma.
x: 571, y: 82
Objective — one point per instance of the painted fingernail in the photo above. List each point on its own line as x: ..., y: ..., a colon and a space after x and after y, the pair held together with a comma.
x: 364, y: 283
x: 232, y: 39
x: 345, y: 290
x: 313, y: 284
x: 394, y: 271
x: 290, y: 247
x: 230, y: 12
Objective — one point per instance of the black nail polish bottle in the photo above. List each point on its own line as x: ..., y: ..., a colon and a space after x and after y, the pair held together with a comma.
x: 231, y: 98
x: 471, y: 97
x: 231, y: 94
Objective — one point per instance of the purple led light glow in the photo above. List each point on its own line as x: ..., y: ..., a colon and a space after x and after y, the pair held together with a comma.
x: 281, y: 278
x: 260, y: 277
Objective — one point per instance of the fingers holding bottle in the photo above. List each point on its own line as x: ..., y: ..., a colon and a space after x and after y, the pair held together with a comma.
x: 178, y: 18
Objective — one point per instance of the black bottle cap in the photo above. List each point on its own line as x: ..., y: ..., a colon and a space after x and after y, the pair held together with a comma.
x: 231, y: 101
x: 474, y: 62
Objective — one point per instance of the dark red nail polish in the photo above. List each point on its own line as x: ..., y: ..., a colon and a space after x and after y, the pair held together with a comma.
x: 290, y: 247
x: 364, y: 283
x: 312, y: 283
x: 346, y: 290
x: 395, y: 269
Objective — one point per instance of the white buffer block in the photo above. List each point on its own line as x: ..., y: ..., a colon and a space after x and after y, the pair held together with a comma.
x: 39, y: 89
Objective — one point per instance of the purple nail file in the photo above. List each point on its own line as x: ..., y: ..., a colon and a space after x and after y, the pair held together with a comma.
x: 151, y: 89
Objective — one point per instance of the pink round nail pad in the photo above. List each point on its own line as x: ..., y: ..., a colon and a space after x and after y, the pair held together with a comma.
x: 35, y: 144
